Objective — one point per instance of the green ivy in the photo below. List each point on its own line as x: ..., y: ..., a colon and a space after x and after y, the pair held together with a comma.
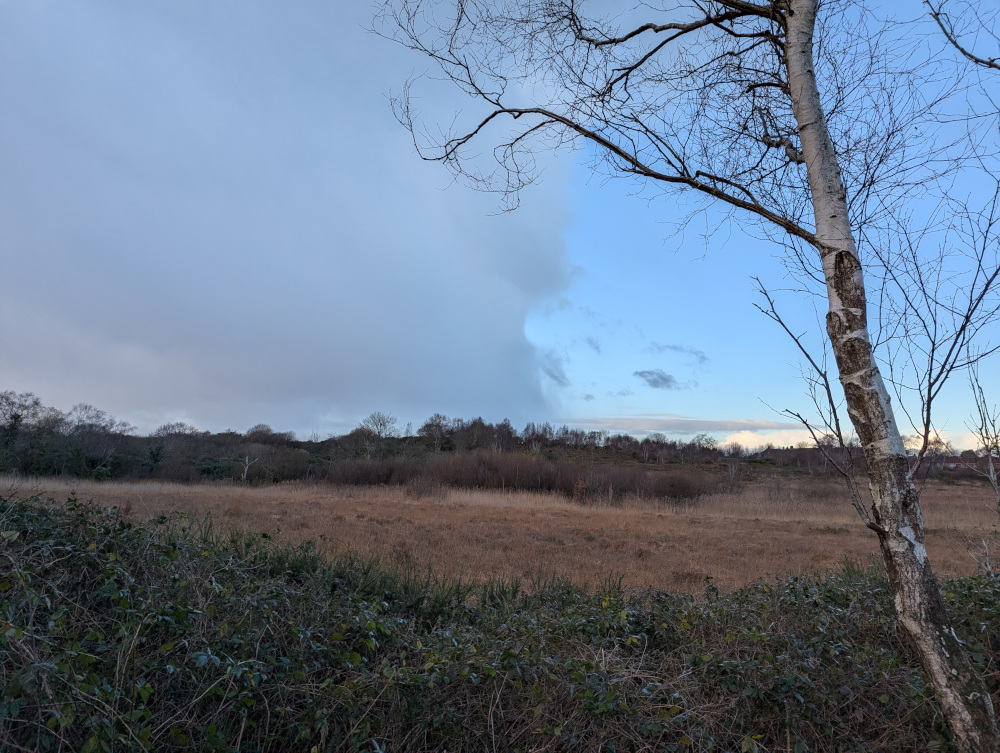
x: 176, y: 636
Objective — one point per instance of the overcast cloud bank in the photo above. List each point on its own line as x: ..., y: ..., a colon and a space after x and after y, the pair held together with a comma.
x: 224, y: 223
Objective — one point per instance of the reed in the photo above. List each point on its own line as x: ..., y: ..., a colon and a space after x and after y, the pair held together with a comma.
x: 773, y: 527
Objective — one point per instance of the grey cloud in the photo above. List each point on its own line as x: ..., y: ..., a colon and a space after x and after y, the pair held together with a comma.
x: 626, y: 392
x: 552, y: 307
x: 594, y: 345
x: 658, y: 379
x: 698, y: 355
x: 553, y: 366
x: 231, y: 230
x: 588, y: 397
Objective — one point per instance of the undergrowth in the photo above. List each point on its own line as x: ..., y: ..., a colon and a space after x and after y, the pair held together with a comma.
x: 177, y: 636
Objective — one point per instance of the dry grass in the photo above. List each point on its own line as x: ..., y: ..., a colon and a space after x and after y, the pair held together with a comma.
x: 774, y: 527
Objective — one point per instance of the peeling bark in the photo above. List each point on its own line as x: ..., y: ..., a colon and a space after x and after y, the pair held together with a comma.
x: 896, y: 508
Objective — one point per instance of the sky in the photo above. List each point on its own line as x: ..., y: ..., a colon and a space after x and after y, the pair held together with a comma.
x: 208, y: 213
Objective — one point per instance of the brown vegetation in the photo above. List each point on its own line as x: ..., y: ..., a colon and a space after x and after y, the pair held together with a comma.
x: 776, y: 526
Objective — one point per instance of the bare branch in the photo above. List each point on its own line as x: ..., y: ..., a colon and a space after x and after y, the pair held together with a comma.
x: 945, y: 23
x: 847, y: 470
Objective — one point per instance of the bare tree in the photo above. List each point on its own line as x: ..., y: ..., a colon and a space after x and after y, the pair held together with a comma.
x: 435, y: 430
x: 971, y: 29
x: 382, y: 425
x: 246, y: 462
x: 378, y: 428
x: 18, y: 407
x: 985, y: 427
x: 808, y: 122
x: 97, y: 430
x: 16, y: 410
x: 176, y: 429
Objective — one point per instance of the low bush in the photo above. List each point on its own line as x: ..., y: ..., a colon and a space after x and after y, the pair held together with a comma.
x: 580, y: 481
x: 371, y: 472
x: 687, y: 485
x: 176, y: 636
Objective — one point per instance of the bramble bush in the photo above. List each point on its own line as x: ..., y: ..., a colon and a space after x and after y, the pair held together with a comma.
x: 177, y: 636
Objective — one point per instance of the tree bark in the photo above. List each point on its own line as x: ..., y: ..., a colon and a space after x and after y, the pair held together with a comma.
x: 896, y: 508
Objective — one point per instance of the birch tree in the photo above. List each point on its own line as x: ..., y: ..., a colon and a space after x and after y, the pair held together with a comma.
x: 808, y: 122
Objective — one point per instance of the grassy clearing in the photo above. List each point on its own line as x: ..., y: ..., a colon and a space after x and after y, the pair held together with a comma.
x: 175, y: 635
x: 776, y: 527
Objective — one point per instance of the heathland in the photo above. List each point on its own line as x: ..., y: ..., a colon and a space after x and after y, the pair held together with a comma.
x: 465, y: 588
x: 129, y: 628
x: 780, y: 524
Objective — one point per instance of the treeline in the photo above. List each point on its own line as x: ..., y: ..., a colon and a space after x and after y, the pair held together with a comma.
x: 87, y: 442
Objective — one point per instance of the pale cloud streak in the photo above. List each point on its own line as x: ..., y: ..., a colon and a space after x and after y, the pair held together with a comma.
x: 554, y: 367
x: 697, y: 355
x: 670, y: 423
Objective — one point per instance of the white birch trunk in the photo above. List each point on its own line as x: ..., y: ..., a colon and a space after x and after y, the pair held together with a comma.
x: 896, y: 509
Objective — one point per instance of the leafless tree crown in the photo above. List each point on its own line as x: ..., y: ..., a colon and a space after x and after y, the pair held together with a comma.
x: 696, y: 98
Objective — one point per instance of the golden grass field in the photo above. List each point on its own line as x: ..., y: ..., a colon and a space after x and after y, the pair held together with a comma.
x: 774, y: 527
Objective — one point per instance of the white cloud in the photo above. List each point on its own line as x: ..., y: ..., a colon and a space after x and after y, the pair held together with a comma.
x: 757, y: 439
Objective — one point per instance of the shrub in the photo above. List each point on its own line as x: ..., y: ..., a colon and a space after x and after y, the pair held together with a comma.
x: 178, y: 637
x: 682, y: 485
